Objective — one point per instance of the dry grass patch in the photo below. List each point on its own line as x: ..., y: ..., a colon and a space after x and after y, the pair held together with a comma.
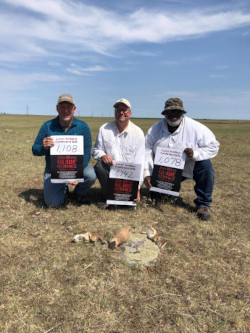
x: 199, y: 283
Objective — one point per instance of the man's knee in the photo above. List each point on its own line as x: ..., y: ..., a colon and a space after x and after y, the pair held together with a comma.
x: 54, y: 194
x: 204, y: 166
x: 53, y: 202
x: 101, y: 169
x: 89, y: 174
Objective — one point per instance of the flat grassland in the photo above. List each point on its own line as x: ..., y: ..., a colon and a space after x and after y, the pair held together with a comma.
x: 48, y: 284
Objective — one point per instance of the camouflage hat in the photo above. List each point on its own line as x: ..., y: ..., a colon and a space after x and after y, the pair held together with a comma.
x: 174, y: 103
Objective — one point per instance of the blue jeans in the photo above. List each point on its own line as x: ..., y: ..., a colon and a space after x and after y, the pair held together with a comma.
x: 203, y: 176
x: 54, y: 194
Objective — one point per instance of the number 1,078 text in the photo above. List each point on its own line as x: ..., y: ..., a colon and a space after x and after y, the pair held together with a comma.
x: 173, y: 161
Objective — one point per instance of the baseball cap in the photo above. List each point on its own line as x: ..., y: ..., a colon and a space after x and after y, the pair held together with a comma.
x: 66, y: 98
x: 123, y: 101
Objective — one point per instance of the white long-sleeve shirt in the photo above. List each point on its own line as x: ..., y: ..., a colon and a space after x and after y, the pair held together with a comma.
x: 127, y: 146
x: 190, y: 134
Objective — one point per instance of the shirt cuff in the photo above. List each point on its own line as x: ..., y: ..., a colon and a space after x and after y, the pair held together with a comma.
x: 195, y: 156
x: 146, y: 173
x: 101, y: 155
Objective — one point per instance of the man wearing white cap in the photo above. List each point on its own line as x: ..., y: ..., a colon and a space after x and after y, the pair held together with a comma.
x: 119, y: 140
x: 64, y: 124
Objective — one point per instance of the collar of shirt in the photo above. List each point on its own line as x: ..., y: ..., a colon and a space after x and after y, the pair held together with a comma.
x: 126, y: 130
x: 73, y: 124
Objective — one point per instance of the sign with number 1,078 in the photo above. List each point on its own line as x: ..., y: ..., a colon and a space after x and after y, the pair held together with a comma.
x: 170, y: 157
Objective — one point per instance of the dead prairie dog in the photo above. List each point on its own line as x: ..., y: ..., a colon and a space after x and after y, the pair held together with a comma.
x: 121, y: 236
x: 81, y: 237
x: 88, y: 237
x: 154, y: 236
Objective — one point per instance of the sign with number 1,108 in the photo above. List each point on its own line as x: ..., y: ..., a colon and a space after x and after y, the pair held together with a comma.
x: 67, y: 145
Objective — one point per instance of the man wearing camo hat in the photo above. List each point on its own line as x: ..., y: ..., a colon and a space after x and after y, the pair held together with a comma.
x: 197, y: 141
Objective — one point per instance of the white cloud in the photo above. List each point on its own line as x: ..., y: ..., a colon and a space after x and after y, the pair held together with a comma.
x: 144, y: 53
x: 54, y: 63
x: 214, y: 97
x: 42, y: 40
x: 171, y: 62
x: 46, y: 27
x: 77, y: 70
x: 216, y: 76
x: 213, y: 104
x: 20, y: 81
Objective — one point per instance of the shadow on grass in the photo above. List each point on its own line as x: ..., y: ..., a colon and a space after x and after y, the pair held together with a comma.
x: 180, y: 203
x: 96, y: 198
x: 156, y: 199
x: 94, y: 195
x: 34, y: 196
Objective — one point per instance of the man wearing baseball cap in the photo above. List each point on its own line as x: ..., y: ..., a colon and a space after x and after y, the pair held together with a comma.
x: 197, y: 141
x: 119, y: 140
x: 64, y: 124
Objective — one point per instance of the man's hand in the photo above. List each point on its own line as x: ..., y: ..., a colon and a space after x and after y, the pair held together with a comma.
x: 147, y: 181
x: 138, y: 196
x: 48, y: 142
x: 189, y: 152
x: 72, y: 183
x: 107, y: 159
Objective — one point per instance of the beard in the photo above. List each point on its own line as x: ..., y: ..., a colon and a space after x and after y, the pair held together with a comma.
x: 174, y: 123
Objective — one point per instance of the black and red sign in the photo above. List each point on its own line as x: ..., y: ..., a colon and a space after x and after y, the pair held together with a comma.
x: 122, y: 191
x: 66, y: 168
x: 123, y: 183
x: 167, y: 172
x: 66, y: 159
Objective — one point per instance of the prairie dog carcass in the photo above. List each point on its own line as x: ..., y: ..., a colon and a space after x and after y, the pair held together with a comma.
x: 154, y: 237
x: 121, y: 236
x: 88, y: 237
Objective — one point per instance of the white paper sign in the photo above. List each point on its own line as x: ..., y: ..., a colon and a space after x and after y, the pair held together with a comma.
x: 67, y: 145
x: 66, y: 159
x: 123, y: 170
x: 170, y: 157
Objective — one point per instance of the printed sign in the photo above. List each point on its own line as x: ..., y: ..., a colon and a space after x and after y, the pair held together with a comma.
x: 123, y: 184
x: 66, y: 159
x: 125, y: 170
x: 168, y: 167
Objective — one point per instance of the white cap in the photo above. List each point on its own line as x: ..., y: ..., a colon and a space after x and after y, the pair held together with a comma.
x: 123, y: 101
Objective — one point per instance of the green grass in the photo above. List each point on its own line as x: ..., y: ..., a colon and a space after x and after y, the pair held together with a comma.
x: 47, y: 284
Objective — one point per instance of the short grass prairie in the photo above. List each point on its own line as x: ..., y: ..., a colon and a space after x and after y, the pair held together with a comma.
x: 47, y: 284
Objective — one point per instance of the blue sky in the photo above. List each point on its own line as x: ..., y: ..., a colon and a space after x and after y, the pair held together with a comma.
x: 145, y: 51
